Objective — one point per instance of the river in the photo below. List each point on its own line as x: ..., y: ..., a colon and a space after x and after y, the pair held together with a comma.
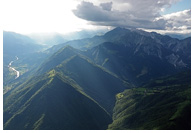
x: 13, y: 69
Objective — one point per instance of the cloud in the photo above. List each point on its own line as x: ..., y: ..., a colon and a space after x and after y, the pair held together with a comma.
x: 133, y: 13
x: 90, y: 12
x: 103, y: 15
x: 178, y: 21
x: 106, y: 6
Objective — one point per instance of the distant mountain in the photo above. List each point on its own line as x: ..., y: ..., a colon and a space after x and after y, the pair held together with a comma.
x: 16, y: 48
x: 17, y: 44
x: 130, y: 66
x: 150, y: 43
x: 134, y: 55
x: 50, y: 39
x: 82, y: 44
x: 162, y: 104
x: 179, y: 36
x: 137, y: 56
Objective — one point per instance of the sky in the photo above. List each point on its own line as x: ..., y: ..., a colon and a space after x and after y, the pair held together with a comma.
x: 64, y: 16
x: 179, y: 6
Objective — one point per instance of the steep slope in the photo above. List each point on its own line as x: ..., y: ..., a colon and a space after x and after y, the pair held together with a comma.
x: 57, y: 58
x: 132, y: 66
x: 164, y: 104
x: 135, y: 55
x: 127, y: 37
x: 152, y: 43
x: 138, y: 56
x: 140, y: 42
x: 97, y: 82
x: 76, y: 94
x: 52, y: 101
x: 184, y: 51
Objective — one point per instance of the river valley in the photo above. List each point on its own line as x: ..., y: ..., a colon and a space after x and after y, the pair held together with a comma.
x: 13, y: 69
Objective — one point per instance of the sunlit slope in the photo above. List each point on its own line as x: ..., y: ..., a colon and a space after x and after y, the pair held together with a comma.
x: 162, y: 104
x: 55, y: 102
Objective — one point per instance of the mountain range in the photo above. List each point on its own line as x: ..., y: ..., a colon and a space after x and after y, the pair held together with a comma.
x: 118, y: 80
x: 50, y: 39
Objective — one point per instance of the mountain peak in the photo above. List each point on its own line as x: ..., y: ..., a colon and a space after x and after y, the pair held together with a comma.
x: 66, y: 48
x: 120, y: 29
x: 57, y: 58
x: 76, y: 59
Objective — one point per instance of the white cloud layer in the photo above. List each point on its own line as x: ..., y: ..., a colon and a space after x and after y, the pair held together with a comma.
x: 178, y: 21
x: 133, y: 13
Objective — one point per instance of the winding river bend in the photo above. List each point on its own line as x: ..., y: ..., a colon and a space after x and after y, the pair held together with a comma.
x: 13, y: 69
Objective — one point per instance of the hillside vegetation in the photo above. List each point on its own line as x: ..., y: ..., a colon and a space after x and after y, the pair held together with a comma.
x: 162, y: 104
